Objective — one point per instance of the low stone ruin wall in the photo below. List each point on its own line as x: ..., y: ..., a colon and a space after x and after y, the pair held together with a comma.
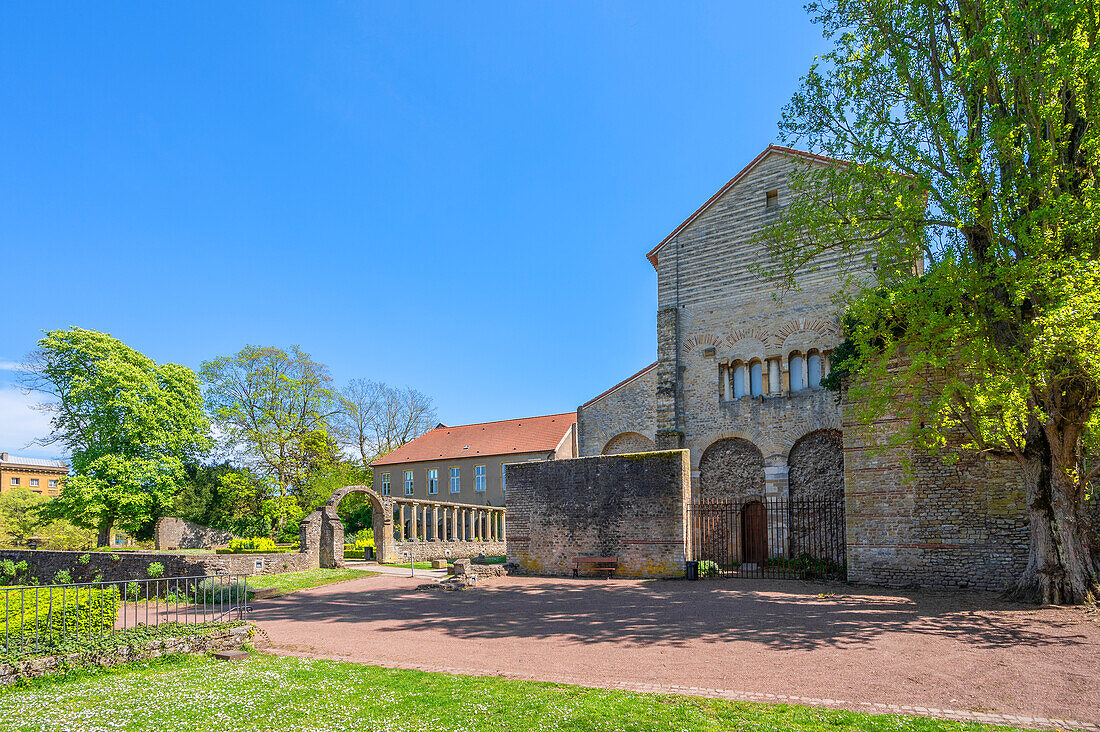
x: 223, y: 640
x: 423, y: 551
x: 176, y: 533
x: 630, y: 507
x: 128, y: 565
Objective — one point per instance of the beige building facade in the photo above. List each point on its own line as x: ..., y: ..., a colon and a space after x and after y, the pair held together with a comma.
x: 39, y: 475
x: 469, y: 463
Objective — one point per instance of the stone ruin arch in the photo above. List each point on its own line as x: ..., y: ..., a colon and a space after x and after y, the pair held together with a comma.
x: 322, y: 532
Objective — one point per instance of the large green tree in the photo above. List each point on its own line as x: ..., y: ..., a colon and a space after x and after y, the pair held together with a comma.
x: 970, y: 127
x: 273, y: 408
x: 129, y: 424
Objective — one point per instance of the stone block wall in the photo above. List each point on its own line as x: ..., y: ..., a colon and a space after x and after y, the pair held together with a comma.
x: 625, y: 506
x: 176, y: 533
x: 423, y: 551
x: 934, y: 525
x: 623, y: 418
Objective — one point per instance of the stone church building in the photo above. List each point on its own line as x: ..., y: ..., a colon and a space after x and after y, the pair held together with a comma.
x: 737, y: 382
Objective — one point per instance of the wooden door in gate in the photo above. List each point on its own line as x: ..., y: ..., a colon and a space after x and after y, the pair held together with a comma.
x: 754, y: 535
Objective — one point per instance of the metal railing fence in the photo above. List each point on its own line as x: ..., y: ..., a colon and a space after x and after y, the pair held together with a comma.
x: 772, y: 538
x: 41, y: 618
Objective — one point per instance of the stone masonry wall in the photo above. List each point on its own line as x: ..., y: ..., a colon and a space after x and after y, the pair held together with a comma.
x: 176, y: 533
x: 231, y: 638
x: 817, y: 466
x: 732, y: 469
x: 44, y: 564
x: 627, y: 409
x: 715, y: 310
x: 939, y: 525
x: 625, y: 506
x: 423, y: 551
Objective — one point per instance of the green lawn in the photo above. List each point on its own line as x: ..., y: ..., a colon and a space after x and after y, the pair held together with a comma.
x: 428, y: 565
x: 289, y: 694
x: 294, y: 581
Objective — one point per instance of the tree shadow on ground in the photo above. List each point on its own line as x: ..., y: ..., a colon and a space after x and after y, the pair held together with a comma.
x: 785, y: 615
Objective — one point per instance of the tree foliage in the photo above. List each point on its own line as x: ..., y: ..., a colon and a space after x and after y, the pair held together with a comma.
x: 969, y: 131
x: 129, y: 424
x: 373, y: 418
x: 272, y: 408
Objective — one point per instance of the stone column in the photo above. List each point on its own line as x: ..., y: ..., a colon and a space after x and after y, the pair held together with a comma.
x: 435, y: 522
x: 775, y: 381
x: 805, y: 371
x: 415, y: 521
x: 504, y: 526
x: 401, y: 522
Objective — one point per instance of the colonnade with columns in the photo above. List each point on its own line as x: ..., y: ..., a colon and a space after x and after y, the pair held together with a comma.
x: 421, y: 520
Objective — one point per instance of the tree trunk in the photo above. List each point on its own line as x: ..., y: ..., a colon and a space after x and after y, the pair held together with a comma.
x: 1062, y: 566
x: 104, y: 534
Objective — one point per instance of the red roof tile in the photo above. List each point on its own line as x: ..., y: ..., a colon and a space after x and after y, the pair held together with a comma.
x: 530, y: 434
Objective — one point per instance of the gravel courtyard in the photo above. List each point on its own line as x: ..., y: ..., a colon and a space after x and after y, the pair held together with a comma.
x: 854, y: 646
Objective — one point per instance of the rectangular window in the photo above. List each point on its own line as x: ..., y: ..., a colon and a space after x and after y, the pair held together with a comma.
x: 34, y: 482
x: 456, y: 481
x: 503, y: 477
x: 771, y: 199
x: 433, y: 481
x: 53, y: 484
x: 479, y: 478
x: 15, y: 481
x: 385, y: 484
x: 408, y: 482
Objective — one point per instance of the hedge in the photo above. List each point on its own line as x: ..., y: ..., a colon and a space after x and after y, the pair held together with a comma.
x: 54, y: 613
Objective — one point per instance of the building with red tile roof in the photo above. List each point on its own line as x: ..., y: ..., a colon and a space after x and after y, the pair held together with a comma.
x: 468, y: 463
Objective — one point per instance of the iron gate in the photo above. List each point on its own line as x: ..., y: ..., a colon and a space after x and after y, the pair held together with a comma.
x: 801, y: 539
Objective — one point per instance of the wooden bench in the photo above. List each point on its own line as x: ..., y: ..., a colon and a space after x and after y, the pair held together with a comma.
x: 596, y: 564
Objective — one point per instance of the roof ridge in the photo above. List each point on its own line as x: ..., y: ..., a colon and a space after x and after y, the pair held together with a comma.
x: 499, y: 421
x: 652, y: 254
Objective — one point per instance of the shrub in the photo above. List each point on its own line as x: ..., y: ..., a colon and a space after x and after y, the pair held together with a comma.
x: 214, y: 590
x: 353, y: 554
x: 84, y: 558
x: 132, y: 591
x: 708, y: 568
x: 57, y: 612
x: 255, y: 544
x: 364, y: 539
x: 62, y: 577
x: 116, y: 557
x: 156, y: 570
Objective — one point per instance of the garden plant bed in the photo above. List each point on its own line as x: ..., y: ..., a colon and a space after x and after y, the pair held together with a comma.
x: 269, y: 692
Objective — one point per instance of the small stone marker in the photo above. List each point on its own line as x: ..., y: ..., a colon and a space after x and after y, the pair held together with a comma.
x: 439, y: 564
x: 230, y: 655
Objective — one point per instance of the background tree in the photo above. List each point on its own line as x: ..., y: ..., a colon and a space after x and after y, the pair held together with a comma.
x: 129, y: 424
x: 269, y: 405
x: 971, y: 127
x: 373, y: 418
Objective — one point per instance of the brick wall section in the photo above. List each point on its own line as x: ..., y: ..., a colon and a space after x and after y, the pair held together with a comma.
x: 625, y: 506
x: 176, y: 533
x: 44, y: 564
x: 938, y: 525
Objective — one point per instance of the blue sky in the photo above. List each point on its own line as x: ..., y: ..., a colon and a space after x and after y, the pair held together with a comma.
x: 453, y: 196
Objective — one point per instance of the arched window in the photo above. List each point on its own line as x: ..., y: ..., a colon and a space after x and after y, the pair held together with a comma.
x: 814, y: 363
x: 796, y: 372
x: 756, y: 378
x: 739, y: 385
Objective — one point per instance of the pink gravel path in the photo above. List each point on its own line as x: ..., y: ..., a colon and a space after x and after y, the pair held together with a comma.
x: 851, y: 647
